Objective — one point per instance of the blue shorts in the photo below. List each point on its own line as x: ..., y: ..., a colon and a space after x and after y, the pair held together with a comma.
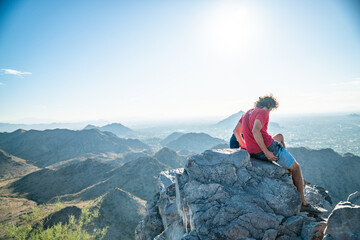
x: 284, y: 158
x: 233, y: 142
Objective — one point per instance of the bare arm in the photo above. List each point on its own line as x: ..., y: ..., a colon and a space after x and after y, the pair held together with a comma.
x: 237, y: 130
x: 260, y: 140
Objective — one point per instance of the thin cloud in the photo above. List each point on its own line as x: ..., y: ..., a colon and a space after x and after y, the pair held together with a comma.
x: 351, y: 83
x: 1, y: 84
x: 15, y: 72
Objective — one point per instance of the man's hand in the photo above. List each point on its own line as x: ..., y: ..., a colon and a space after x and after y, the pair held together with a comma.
x: 269, y: 155
x: 260, y: 141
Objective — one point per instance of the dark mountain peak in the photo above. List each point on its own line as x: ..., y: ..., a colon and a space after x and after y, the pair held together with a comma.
x: 165, y: 150
x: 115, y: 125
x: 170, y: 158
x: 194, y: 142
x: 90, y: 126
x: 230, y: 121
x: 96, y: 131
x: 116, y: 128
x: 19, y: 131
x: 173, y: 136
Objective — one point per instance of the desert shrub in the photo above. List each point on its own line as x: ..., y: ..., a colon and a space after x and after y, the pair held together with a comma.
x: 33, y: 229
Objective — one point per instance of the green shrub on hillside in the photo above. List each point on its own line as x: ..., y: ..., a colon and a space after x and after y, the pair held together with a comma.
x: 33, y: 228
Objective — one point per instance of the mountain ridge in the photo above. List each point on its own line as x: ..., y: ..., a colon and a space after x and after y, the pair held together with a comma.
x: 117, y: 128
x: 43, y: 148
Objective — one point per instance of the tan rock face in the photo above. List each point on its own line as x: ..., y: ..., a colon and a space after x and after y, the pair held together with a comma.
x: 223, y: 194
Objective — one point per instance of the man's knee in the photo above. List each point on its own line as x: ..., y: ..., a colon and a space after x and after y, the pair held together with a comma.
x: 295, y: 167
x: 279, y: 137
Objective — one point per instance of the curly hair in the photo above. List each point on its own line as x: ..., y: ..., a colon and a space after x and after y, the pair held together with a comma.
x: 268, y: 101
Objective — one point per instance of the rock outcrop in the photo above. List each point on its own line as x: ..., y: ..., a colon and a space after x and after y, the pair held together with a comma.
x: 224, y: 194
x: 344, y: 221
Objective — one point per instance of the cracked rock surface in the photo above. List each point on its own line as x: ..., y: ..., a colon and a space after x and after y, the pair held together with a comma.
x: 225, y: 194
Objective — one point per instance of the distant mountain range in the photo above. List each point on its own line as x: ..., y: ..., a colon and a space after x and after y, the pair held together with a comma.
x: 43, y: 148
x: 116, y: 128
x: 194, y: 142
x: 10, y: 127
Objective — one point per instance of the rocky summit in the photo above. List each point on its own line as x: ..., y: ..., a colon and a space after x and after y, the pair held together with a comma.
x: 225, y: 194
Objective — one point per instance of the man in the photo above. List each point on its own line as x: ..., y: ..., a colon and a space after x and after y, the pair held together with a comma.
x: 251, y: 134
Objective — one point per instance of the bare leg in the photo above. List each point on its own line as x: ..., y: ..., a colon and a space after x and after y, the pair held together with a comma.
x: 298, y: 180
x: 280, y: 138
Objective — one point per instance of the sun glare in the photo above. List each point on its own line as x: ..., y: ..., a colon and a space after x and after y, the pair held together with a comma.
x: 230, y: 29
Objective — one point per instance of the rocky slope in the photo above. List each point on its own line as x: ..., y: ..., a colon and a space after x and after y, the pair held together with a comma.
x: 43, y: 148
x: 336, y: 173
x: 194, y: 142
x: 90, y: 179
x: 223, y: 194
x: 120, y: 211
x: 46, y: 184
x: 139, y: 177
x: 11, y: 166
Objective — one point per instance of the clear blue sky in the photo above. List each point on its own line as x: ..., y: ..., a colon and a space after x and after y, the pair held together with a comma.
x: 87, y: 60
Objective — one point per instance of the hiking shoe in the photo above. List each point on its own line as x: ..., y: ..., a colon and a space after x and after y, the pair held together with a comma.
x: 310, y: 209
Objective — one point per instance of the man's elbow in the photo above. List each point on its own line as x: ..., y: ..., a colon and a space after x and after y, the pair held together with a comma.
x: 255, y: 131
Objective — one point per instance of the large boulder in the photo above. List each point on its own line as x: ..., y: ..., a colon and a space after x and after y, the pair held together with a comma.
x: 224, y: 194
x: 344, y: 221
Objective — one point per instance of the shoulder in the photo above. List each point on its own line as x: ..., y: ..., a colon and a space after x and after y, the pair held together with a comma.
x: 260, y: 111
x: 261, y: 114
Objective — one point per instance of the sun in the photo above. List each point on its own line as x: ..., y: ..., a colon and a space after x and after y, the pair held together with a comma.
x: 230, y: 29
